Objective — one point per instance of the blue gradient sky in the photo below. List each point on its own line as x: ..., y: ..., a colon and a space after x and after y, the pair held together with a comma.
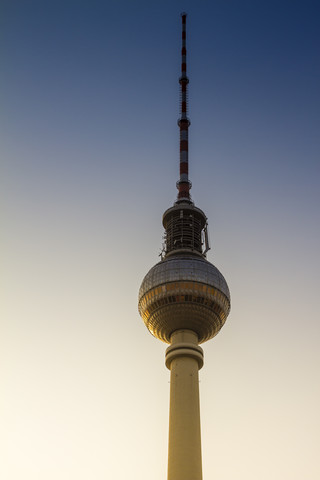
x: 89, y: 160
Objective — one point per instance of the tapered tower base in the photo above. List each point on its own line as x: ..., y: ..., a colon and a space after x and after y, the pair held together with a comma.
x: 184, y: 357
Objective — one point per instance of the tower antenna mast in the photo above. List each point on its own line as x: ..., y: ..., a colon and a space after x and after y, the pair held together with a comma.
x: 184, y: 185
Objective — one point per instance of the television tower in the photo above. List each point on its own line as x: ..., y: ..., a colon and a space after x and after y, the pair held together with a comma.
x: 184, y: 300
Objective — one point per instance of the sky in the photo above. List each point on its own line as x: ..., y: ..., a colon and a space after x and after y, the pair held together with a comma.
x: 89, y: 160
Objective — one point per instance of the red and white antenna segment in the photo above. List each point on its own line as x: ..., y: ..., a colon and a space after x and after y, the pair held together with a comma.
x: 184, y: 184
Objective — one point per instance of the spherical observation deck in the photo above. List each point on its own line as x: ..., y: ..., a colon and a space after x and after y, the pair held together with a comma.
x: 184, y: 292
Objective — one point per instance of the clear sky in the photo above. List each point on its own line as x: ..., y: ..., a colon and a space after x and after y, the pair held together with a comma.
x: 89, y: 161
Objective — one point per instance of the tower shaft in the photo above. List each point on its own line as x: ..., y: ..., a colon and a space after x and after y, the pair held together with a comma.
x: 184, y: 358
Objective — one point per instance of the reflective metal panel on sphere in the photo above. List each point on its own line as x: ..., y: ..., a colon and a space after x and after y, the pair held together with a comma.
x: 184, y: 292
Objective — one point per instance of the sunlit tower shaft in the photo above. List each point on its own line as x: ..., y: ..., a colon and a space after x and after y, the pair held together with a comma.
x: 184, y: 300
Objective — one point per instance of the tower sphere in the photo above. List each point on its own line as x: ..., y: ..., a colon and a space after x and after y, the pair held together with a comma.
x: 184, y: 291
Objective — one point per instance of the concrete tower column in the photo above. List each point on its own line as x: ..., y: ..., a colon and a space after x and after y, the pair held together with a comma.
x: 184, y: 358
